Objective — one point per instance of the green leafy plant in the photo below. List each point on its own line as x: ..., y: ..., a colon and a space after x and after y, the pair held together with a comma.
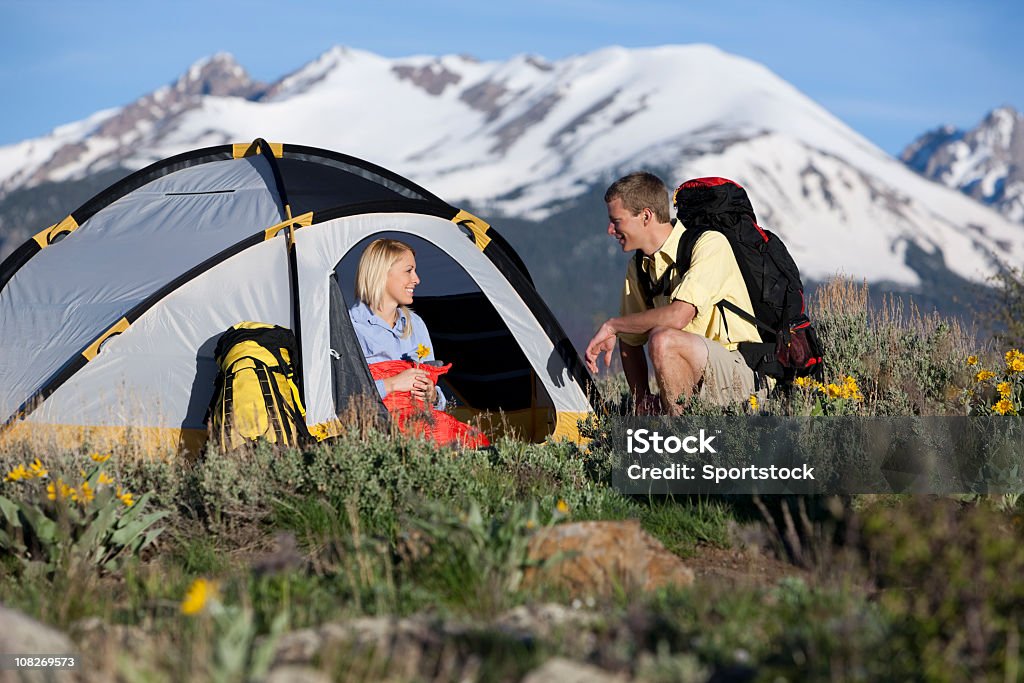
x: 479, y: 560
x: 238, y: 653
x: 55, y: 525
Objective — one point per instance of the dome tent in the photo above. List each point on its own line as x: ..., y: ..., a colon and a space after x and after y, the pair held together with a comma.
x: 110, y: 317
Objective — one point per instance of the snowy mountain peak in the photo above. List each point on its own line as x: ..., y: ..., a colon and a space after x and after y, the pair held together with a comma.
x: 1004, y: 117
x: 986, y: 162
x: 219, y: 76
x: 526, y: 137
x: 306, y: 77
x: 920, y: 153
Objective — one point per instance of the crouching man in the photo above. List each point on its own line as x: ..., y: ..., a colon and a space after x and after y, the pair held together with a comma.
x: 671, y: 308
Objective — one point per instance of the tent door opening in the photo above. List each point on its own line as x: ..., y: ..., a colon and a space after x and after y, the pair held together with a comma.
x: 491, y: 382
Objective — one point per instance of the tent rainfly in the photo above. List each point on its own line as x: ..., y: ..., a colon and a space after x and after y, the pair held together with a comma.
x: 110, y: 317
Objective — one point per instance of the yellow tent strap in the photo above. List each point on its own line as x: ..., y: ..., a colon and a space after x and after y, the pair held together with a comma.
x: 477, y: 226
x: 46, y: 237
x: 304, y: 221
x: 291, y: 225
x: 94, y: 348
x: 248, y: 149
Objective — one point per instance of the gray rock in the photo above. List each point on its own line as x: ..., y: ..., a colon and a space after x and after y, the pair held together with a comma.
x: 296, y: 674
x: 22, y: 635
x: 559, y: 670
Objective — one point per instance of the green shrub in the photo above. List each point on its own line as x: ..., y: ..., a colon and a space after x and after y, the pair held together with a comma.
x: 947, y: 572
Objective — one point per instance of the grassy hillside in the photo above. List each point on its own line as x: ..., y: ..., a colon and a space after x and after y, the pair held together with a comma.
x: 378, y: 557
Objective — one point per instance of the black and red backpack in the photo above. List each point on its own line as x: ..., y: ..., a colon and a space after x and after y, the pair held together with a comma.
x: 789, y: 345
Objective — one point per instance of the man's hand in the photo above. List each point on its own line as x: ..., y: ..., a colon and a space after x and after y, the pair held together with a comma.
x: 602, y: 343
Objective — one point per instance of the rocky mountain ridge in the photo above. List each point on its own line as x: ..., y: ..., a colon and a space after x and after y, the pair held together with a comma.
x: 986, y: 162
x: 529, y: 139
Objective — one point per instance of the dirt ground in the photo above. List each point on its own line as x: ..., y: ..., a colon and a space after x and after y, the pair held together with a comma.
x: 749, y: 566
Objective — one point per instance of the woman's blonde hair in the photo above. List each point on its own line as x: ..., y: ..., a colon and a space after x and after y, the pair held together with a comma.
x: 372, y: 274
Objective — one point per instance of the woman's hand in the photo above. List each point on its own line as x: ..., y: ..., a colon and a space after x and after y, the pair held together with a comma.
x: 424, y: 391
x: 407, y: 380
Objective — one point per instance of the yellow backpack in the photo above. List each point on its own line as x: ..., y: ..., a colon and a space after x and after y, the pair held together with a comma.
x: 255, y: 395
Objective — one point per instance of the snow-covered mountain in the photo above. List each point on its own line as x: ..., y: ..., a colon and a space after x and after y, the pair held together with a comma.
x: 986, y: 162
x: 527, y: 138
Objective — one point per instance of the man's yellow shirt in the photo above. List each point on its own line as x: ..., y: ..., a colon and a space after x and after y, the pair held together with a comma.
x: 713, y: 275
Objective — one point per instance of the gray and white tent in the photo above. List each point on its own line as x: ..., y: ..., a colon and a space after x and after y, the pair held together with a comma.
x: 108, y: 319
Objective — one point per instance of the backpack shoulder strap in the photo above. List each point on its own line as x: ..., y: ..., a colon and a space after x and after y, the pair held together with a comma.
x: 683, y: 258
x: 642, y: 281
x: 743, y: 314
x: 748, y: 281
x: 684, y: 252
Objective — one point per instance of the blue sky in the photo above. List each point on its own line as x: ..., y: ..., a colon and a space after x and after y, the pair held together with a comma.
x: 889, y: 69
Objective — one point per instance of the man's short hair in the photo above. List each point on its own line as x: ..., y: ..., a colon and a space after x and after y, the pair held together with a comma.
x: 639, y: 191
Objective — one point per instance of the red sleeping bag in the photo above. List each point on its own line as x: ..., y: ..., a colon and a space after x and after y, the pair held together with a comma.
x: 412, y: 417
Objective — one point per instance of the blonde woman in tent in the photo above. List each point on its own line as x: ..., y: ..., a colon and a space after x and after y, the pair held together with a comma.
x: 397, y: 346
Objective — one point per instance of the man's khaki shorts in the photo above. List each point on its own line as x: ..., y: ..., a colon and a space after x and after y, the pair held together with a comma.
x: 727, y: 377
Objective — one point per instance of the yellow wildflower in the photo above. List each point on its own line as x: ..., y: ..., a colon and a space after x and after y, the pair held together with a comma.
x: 984, y: 375
x: 100, y: 457
x: 1014, y: 360
x: 852, y: 393
x: 59, y: 490
x: 753, y: 402
x: 38, y: 470
x: 850, y: 389
x: 530, y: 524
x: 126, y: 497
x: 562, y: 507
x: 86, y: 494
x: 17, y: 474
x: 804, y: 382
x: 972, y: 360
x: 1004, y: 407
x: 1004, y: 389
x: 104, y: 479
x: 199, y: 594
x: 831, y: 390
x: 422, y: 351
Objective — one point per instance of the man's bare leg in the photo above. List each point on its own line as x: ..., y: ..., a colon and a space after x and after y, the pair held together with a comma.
x: 679, y: 359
